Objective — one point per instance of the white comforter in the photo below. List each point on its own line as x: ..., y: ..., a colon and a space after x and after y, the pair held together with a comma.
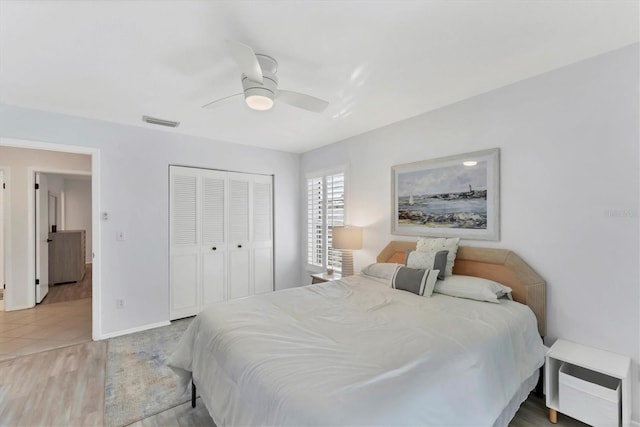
x: 355, y: 352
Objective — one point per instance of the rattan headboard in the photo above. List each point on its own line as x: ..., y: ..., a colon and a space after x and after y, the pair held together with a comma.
x: 500, y: 265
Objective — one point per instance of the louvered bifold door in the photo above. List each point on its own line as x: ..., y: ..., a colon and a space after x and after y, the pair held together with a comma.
x: 221, y: 234
x: 184, y: 264
x: 213, y: 248
x: 262, y: 234
x: 239, y: 261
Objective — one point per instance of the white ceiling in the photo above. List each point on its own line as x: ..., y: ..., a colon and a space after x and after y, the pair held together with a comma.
x: 376, y: 62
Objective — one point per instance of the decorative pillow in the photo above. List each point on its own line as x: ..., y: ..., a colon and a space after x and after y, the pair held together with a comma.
x: 430, y: 283
x: 429, y: 244
x: 412, y: 280
x: 428, y: 260
x: 475, y: 288
x: 381, y: 270
x: 415, y: 259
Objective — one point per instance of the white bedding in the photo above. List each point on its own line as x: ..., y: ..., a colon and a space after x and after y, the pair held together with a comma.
x: 356, y: 352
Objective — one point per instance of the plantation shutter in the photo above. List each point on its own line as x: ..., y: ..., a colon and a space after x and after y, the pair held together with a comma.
x: 335, y: 217
x: 325, y: 210
x: 315, y: 222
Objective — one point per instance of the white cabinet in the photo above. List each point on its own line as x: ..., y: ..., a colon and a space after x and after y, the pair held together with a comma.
x: 67, y: 256
x: 221, y: 227
x: 588, y: 384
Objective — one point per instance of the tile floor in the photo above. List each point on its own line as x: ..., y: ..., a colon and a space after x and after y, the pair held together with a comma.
x: 44, y: 327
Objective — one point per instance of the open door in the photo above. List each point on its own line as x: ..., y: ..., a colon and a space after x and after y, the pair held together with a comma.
x: 42, y: 237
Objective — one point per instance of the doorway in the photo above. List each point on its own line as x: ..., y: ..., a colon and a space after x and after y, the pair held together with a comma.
x: 18, y: 277
x: 63, y: 234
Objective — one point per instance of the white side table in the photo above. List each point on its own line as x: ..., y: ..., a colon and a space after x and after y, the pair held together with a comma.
x: 600, y: 361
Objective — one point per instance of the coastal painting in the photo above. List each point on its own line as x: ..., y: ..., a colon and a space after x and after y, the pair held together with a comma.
x: 455, y: 196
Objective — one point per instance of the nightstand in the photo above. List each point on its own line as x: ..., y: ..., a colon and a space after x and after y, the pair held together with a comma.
x: 324, y: 277
x: 587, y: 384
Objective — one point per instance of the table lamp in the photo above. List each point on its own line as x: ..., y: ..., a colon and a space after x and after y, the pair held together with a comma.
x: 347, y: 239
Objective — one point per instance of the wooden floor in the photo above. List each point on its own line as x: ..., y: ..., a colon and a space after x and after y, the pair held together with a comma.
x: 180, y: 416
x: 534, y: 413
x: 70, y: 291
x: 44, y: 327
x: 63, y: 387
x: 62, y: 319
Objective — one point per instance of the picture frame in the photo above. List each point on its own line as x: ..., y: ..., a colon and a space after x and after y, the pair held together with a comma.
x: 454, y: 196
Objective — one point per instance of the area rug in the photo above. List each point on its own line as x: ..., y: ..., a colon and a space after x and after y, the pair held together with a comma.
x: 139, y: 383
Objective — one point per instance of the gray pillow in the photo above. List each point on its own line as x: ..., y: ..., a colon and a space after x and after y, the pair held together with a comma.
x: 440, y: 263
x: 410, y: 279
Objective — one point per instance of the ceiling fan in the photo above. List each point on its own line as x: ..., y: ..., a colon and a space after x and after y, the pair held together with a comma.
x: 260, y: 83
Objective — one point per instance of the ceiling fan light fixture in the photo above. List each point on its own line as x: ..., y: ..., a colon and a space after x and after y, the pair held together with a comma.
x: 259, y: 99
x: 260, y: 83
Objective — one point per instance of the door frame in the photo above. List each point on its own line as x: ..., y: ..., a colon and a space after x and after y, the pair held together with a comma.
x: 3, y: 234
x: 31, y: 206
x: 41, y: 179
x: 6, y: 232
x: 96, y: 299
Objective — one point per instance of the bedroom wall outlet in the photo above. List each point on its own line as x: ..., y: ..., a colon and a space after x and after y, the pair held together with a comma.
x: 120, y: 303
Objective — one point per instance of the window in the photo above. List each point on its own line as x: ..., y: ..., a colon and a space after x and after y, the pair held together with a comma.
x: 325, y: 209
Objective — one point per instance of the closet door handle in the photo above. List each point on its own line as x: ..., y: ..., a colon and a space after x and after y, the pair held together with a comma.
x: 239, y: 246
x: 49, y: 240
x: 213, y: 248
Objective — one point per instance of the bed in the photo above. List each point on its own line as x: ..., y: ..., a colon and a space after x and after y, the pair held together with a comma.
x: 357, y: 352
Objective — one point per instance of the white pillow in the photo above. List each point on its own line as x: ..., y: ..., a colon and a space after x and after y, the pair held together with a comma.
x: 475, y: 288
x: 429, y: 261
x: 433, y: 245
x: 381, y: 270
x: 417, y: 259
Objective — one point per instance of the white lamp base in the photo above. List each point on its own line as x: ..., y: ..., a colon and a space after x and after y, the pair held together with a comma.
x: 347, y: 262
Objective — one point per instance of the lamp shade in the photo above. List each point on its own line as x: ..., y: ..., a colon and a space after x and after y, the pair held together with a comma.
x: 347, y: 238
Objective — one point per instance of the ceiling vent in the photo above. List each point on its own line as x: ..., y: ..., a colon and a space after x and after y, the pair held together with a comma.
x: 161, y: 122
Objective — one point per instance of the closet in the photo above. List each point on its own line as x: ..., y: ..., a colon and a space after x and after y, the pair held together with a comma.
x: 221, y: 237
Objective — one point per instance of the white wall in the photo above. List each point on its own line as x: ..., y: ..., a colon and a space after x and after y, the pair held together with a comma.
x: 21, y: 163
x: 134, y: 173
x: 77, y: 200
x: 55, y: 184
x: 569, y: 188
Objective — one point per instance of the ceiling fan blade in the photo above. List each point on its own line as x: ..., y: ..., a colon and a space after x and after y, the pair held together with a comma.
x: 221, y: 101
x: 300, y: 100
x: 246, y: 59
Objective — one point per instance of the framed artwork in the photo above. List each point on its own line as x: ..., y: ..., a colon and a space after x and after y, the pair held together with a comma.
x: 455, y: 196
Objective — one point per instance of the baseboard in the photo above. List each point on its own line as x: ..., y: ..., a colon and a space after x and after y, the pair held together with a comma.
x: 133, y: 330
x: 16, y: 308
